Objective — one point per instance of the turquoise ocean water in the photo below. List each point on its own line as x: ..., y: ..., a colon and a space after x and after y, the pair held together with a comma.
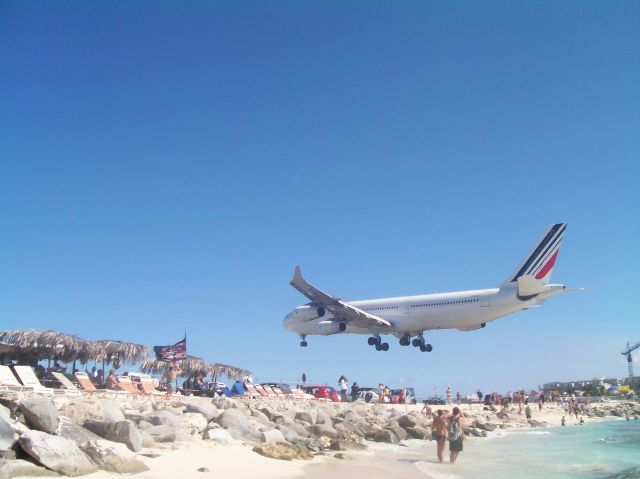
x: 598, y: 450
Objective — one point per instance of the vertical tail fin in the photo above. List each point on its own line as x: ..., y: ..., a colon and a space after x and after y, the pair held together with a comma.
x: 541, y: 259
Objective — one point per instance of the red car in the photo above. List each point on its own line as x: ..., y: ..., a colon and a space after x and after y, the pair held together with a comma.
x: 323, y: 392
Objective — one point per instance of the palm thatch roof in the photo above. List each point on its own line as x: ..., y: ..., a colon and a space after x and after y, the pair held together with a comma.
x: 189, y: 365
x: 229, y: 371
x: 108, y: 350
x: 46, y: 344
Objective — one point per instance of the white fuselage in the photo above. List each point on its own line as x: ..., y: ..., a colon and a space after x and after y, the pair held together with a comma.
x: 410, y: 315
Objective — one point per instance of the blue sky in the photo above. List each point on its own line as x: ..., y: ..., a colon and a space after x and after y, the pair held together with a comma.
x: 166, y: 165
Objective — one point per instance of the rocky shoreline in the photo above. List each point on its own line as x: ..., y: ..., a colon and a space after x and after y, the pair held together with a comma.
x: 79, y: 435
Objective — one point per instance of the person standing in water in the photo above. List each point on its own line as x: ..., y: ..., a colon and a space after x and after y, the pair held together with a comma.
x: 439, y: 432
x: 455, y: 434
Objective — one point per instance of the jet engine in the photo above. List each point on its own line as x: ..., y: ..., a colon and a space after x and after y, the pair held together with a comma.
x: 331, y: 327
x: 308, y: 312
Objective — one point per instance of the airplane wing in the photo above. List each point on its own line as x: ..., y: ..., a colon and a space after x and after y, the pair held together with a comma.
x: 336, y: 306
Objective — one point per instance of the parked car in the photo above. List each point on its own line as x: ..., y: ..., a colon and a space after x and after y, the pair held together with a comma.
x: 323, y: 392
x: 434, y: 400
x: 368, y: 394
x: 396, y: 396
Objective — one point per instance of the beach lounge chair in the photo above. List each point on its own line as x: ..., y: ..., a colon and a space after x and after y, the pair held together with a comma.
x: 271, y: 393
x: 85, y: 382
x: 28, y: 378
x: 252, y: 392
x: 125, y: 384
x: 67, y: 387
x: 9, y: 381
x: 146, y: 384
x: 263, y: 392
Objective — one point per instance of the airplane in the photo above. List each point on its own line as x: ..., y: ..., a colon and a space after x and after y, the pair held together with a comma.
x: 409, y: 317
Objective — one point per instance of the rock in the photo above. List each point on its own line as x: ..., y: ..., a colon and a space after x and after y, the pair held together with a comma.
x: 283, y: 451
x: 40, y: 414
x: 111, y: 412
x: 56, y: 453
x: 308, y: 417
x: 113, y: 457
x: 203, y: 469
x: 239, y: 426
x: 534, y: 423
x: 162, y: 433
x: 472, y: 431
x: 485, y: 426
x: 209, y: 411
x: 162, y: 417
x: 78, y: 434
x: 406, y: 421
x: 340, y: 455
x: 125, y: 432
x: 418, y: 432
x: 289, y: 434
x: 5, y: 412
x: 223, y: 403
x: 220, y: 436
x: 22, y: 468
x: 381, y: 435
x: 321, y: 430
x: 260, y: 417
x: 8, y: 436
x: 400, y: 433
x: 313, y: 444
x: 273, y: 435
x: 323, y: 418
x: 268, y: 411
x: 192, y: 423
x: 344, y: 445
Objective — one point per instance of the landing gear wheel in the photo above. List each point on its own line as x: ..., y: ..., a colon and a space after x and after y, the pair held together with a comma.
x: 423, y: 348
x: 303, y: 344
x: 429, y: 348
x: 384, y: 346
x: 404, y: 342
x: 371, y: 341
x: 378, y: 347
x: 415, y: 342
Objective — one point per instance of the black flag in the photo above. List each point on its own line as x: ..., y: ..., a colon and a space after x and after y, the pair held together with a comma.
x: 172, y: 352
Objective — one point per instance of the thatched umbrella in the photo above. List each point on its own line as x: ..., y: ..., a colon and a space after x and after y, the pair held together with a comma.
x: 189, y: 365
x: 229, y: 371
x: 46, y: 344
x: 109, y: 350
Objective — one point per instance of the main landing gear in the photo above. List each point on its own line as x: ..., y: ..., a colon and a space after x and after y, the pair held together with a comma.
x: 417, y: 342
x: 376, y: 341
x: 303, y: 342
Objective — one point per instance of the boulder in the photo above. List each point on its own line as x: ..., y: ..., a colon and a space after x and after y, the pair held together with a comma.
x: 283, y: 451
x: 534, y: 423
x: 320, y: 430
x: 40, y: 414
x: 22, y: 468
x: 238, y: 424
x: 289, y: 434
x: 223, y: 403
x: 406, y: 421
x: 5, y: 412
x: 381, y: 435
x: 56, y: 453
x: 418, y: 432
x: 274, y: 435
x: 192, y: 423
x: 473, y: 431
x: 484, y: 426
x: 209, y: 411
x: 220, y: 436
x: 260, y: 416
x: 8, y: 436
x: 269, y: 411
x: 323, y: 418
x: 308, y: 417
x: 162, y: 433
x: 400, y: 433
x: 78, y: 434
x: 111, y: 412
x: 162, y: 417
x: 113, y: 457
x: 125, y: 432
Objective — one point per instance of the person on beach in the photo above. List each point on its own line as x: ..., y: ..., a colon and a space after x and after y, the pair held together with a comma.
x: 458, y: 397
x: 562, y: 421
x: 455, y: 433
x: 527, y: 411
x: 382, y: 391
x: 354, y: 391
x: 169, y: 378
x: 439, y: 432
x: 448, y: 395
x: 111, y: 382
x: 426, y: 410
x: 343, y: 388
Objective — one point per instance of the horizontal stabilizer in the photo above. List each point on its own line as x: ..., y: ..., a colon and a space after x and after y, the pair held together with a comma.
x: 529, y: 286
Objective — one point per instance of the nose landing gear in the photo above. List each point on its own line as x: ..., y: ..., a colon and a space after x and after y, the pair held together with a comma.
x: 303, y: 340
